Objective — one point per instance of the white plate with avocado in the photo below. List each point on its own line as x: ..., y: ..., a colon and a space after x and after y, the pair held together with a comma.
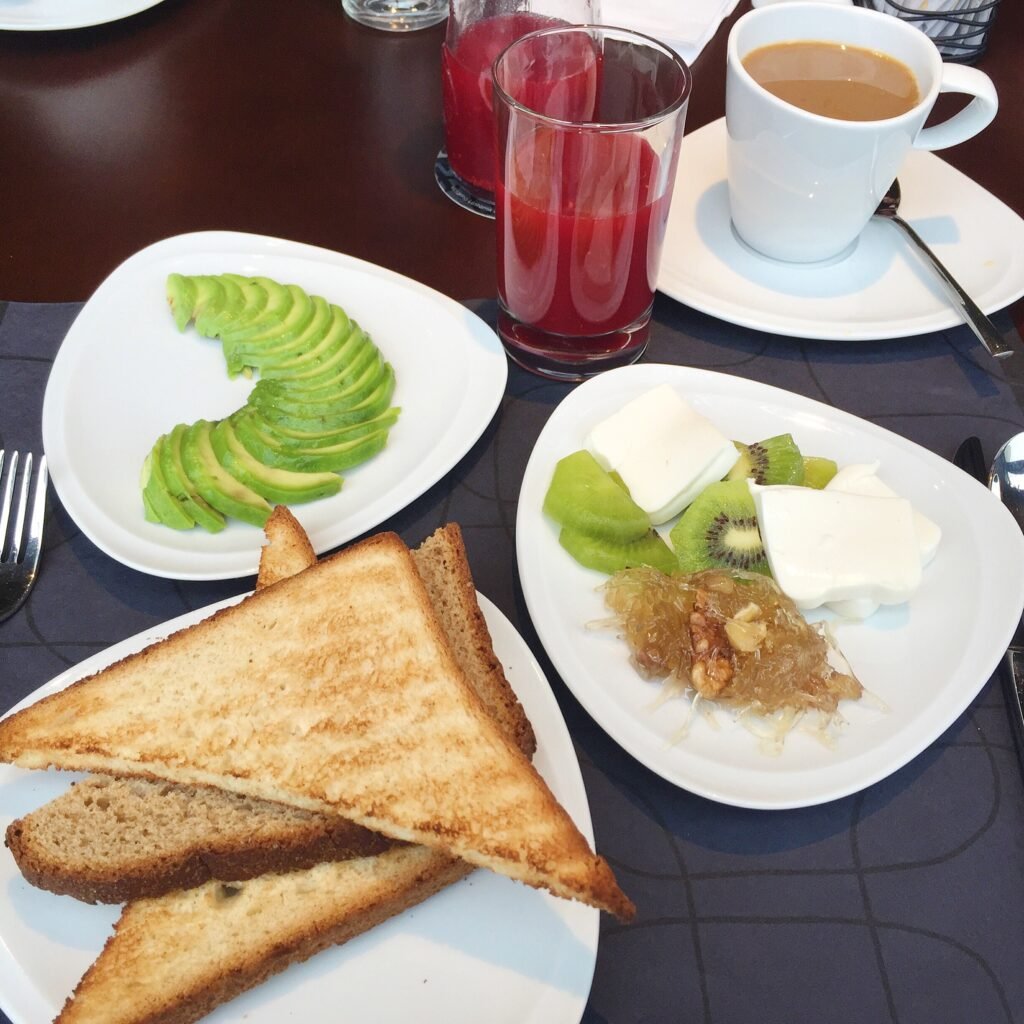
x: 921, y: 662
x: 485, y: 941
x: 48, y: 15
x: 125, y: 375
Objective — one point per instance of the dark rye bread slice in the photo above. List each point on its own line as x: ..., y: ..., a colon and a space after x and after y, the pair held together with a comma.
x: 109, y: 841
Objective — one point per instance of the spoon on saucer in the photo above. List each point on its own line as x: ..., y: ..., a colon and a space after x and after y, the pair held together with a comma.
x: 986, y: 331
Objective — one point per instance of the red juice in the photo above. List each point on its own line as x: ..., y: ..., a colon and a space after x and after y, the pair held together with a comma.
x: 466, y: 86
x: 579, y: 237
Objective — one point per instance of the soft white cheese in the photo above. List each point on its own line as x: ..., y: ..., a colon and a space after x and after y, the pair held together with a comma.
x: 665, y: 452
x: 862, y: 478
x: 830, y: 546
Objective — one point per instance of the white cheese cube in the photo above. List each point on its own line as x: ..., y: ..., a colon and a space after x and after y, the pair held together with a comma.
x: 832, y: 546
x: 665, y: 451
x: 863, y: 479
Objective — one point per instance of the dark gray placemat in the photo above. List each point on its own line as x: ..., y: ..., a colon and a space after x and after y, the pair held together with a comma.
x: 900, y: 904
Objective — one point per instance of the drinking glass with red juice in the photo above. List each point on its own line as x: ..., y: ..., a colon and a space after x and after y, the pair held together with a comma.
x: 477, y: 31
x: 589, y: 120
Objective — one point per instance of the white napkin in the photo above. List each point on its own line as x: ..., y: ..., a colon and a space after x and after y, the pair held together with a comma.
x: 685, y: 25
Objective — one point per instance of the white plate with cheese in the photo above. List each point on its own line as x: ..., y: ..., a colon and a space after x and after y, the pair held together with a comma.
x: 485, y: 941
x: 124, y: 375
x: 922, y: 662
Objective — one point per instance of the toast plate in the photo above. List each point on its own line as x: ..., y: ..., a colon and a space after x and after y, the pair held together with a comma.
x: 921, y: 662
x: 485, y: 941
x: 124, y: 375
x: 47, y: 15
x: 880, y: 289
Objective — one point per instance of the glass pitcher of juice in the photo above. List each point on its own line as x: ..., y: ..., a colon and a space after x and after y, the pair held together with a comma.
x: 477, y: 31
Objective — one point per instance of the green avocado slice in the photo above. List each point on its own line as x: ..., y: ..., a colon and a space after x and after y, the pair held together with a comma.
x: 252, y: 349
x: 289, y: 438
x: 280, y: 486
x: 372, y: 405
x: 159, y: 503
x: 287, y: 363
x: 217, y: 486
x: 265, y: 447
x: 181, y: 297
x: 309, y: 338
x: 270, y: 395
x: 181, y: 487
x: 214, y: 318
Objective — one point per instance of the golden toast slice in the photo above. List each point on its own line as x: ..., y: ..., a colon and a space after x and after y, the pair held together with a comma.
x: 109, y: 840
x: 335, y: 691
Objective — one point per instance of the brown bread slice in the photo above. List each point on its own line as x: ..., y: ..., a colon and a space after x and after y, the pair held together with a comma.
x: 335, y: 691
x: 174, y: 958
x: 111, y: 840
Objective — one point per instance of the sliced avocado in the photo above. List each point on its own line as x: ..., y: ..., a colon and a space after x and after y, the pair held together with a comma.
x: 213, y: 320
x: 209, y: 299
x: 340, y: 330
x: 181, y: 487
x: 323, y: 401
x: 278, y: 303
x: 181, y: 297
x: 310, y: 338
x: 156, y: 498
x: 255, y: 348
x: 265, y: 448
x: 149, y: 511
x: 373, y: 405
x: 280, y: 486
x: 288, y: 437
x: 217, y: 486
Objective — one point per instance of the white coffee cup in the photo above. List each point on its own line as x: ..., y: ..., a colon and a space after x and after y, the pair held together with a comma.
x: 803, y: 186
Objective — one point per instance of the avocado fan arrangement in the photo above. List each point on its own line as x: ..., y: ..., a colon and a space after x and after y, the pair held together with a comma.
x: 322, y: 404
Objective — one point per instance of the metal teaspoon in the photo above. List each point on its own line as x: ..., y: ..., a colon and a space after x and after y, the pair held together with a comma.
x: 986, y: 331
x: 1006, y: 477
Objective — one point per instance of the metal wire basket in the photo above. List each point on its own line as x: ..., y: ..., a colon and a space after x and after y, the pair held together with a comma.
x: 959, y: 28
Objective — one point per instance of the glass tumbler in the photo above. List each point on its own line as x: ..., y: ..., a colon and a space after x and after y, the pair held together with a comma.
x: 477, y: 31
x: 396, y: 15
x: 589, y: 121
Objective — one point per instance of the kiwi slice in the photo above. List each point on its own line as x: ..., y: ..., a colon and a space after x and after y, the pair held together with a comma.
x: 609, y: 557
x: 818, y: 471
x: 584, y: 497
x: 719, y: 530
x: 775, y: 460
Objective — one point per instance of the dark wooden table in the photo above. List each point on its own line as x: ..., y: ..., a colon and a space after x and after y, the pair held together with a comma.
x: 284, y: 119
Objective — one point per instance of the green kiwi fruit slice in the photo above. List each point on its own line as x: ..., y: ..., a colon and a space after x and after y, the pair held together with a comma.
x: 584, y: 497
x: 818, y: 471
x: 610, y: 556
x: 719, y: 530
x: 776, y: 460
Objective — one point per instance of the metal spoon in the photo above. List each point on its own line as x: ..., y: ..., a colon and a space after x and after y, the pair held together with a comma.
x: 1006, y: 480
x: 986, y: 331
x: 1006, y: 477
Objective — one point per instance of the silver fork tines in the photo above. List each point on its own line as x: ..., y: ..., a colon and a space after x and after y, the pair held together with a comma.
x: 20, y: 548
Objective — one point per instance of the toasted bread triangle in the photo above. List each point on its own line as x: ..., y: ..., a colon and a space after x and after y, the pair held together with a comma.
x: 336, y: 691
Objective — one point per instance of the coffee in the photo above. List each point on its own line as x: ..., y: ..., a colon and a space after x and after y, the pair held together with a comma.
x: 835, y: 80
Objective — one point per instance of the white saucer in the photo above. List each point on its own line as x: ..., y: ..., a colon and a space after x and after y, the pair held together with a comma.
x: 881, y: 289
x: 47, y: 15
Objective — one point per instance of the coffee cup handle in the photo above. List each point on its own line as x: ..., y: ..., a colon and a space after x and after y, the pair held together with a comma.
x: 972, y: 119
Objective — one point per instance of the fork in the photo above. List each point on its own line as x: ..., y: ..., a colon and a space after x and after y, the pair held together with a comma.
x: 19, y: 550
